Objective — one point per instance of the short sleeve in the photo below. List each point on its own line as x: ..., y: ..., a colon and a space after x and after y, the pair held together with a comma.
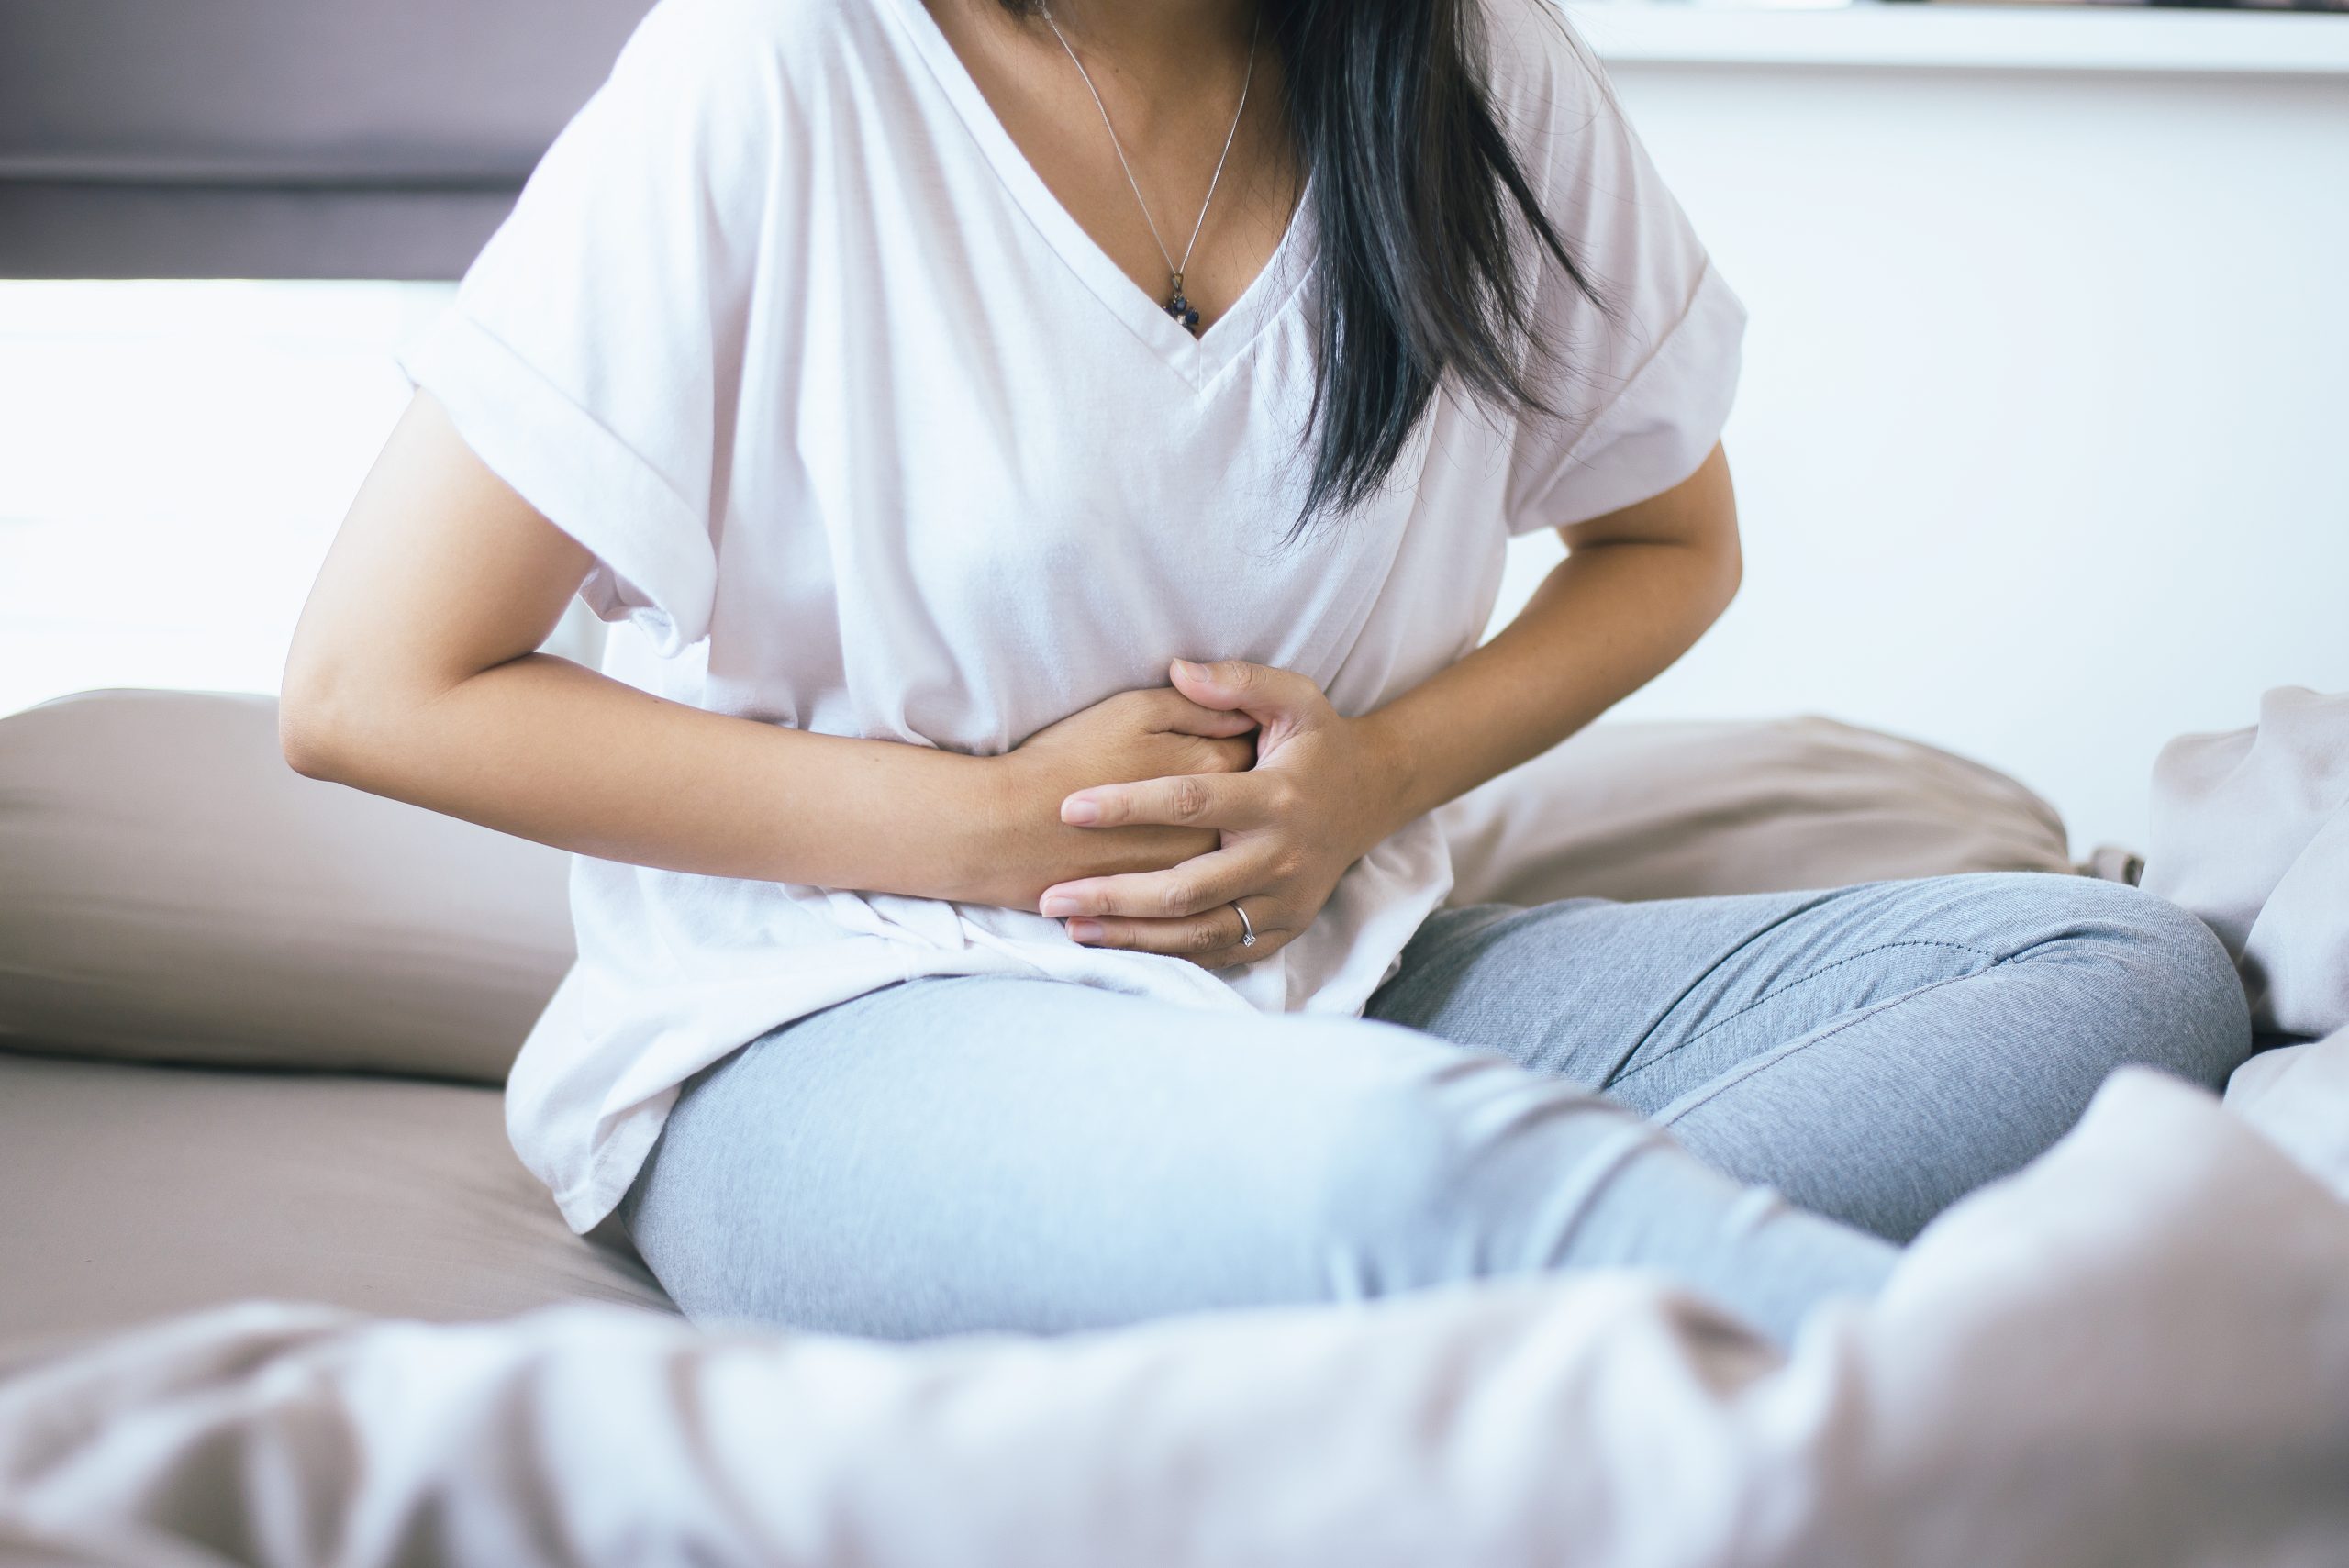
x: 1638, y: 391
x: 592, y: 356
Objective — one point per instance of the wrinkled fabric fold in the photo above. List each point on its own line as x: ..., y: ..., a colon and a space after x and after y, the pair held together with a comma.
x: 2251, y: 832
x: 2096, y: 1361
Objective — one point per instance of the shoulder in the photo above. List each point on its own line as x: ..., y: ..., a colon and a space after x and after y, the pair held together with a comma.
x: 1540, y: 75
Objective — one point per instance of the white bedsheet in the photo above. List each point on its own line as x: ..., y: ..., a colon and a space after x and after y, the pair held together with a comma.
x: 2135, y: 1353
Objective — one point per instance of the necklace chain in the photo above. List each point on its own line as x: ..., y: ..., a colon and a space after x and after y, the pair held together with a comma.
x: 1176, y: 306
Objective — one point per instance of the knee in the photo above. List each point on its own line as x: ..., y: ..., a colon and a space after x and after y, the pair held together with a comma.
x: 1382, y: 1189
x: 2170, y: 974
x: 2193, y: 978
x: 1439, y: 1174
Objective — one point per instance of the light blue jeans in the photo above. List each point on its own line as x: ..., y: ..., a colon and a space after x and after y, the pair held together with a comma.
x: 1584, y: 1084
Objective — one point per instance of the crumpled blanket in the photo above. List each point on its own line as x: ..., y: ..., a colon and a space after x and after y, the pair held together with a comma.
x: 2136, y: 1352
x: 2250, y: 831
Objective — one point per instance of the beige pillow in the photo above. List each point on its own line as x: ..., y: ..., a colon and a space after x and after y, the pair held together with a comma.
x: 1641, y: 811
x: 175, y: 892
x: 133, y: 1191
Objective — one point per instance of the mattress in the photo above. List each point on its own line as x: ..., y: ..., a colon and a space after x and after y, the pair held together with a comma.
x: 129, y: 1192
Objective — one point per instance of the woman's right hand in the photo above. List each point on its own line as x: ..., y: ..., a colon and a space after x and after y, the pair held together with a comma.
x: 1151, y: 733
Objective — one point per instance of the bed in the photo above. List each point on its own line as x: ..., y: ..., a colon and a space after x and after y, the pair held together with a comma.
x: 277, y: 1290
x: 252, y: 1026
x: 279, y: 1293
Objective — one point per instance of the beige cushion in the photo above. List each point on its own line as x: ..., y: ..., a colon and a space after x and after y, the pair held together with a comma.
x: 1641, y: 811
x: 129, y: 1192
x: 176, y: 892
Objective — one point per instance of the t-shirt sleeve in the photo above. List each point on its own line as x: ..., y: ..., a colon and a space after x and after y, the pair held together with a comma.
x: 592, y: 356
x: 1639, y: 392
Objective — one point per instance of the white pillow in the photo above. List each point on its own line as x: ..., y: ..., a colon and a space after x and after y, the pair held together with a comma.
x: 175, y: 892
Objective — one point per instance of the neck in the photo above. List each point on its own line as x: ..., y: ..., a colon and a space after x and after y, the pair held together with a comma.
x: 1167, y: 30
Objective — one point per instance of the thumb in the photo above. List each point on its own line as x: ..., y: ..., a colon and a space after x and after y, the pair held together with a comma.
x: 1260, y: 691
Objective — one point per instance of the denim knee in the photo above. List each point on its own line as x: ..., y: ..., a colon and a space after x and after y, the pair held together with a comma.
x: 1387, y: 1185
x: 2174, y: 975
x: 2199, y: 983
x: 1454, y: 1170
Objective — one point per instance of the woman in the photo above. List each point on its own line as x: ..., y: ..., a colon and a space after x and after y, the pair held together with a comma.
x: 954, y: 952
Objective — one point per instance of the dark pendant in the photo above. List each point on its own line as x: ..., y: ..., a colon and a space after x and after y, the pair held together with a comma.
x: 1180, y: 308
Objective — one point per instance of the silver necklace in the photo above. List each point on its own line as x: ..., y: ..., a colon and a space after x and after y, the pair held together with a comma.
x: 1175, y: 304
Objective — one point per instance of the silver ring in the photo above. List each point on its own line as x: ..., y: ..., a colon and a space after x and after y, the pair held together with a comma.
x: 1247, y: 927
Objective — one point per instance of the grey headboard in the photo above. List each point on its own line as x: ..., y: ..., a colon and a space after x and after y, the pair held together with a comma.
x: 279, y: 137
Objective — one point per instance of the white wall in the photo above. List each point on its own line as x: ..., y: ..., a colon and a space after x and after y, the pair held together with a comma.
x: 176, y: 457
x: 173, y: 460
x: 2043, y: 445
x: 2043, y: 442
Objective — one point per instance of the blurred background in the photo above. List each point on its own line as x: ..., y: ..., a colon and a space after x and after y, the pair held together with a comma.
x: 2043, y: 443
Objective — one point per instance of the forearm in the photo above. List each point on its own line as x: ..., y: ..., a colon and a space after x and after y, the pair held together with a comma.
x: 411, y: 676
x: 1326, y: 789
x: 1639, y: 585
x: 1608, y: 620
x: 545, y: 750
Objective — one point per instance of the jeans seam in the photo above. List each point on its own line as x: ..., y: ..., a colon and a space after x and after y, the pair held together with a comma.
x: 1754, y: 1069
x: 1767, y: 997
x: 1783, y: 917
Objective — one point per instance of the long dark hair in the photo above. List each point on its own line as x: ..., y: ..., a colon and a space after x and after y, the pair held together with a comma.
x: 1425, y: 220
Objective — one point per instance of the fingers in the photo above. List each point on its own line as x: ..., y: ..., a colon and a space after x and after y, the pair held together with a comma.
x: 1192, y: 889
x: 1171, y: 711
x: 1259, y: 690
x: 1188, y: 800
x: 1228, y: 756
x: 1214, y: 939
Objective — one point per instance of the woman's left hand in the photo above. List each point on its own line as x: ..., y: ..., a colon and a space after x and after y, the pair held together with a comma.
x: 1321, y: 794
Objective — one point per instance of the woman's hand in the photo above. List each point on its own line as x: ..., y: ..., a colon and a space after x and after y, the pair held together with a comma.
x: 1144, y: 734
x: 1324, y: 789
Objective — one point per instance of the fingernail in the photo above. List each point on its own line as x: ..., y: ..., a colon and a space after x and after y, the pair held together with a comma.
x: 1190, y: 671
x: 1080, y: 812
x: 1085, y: 930
x: 1058, y: 904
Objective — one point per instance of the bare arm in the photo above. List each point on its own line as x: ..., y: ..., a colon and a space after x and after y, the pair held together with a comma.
x: 1636, y: 590
x: 413, y: 675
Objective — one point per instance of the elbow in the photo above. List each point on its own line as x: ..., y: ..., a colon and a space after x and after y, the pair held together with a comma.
x: 351, y: 715
x: 1717, y: 570
x: 311, y: 731
x: 336, y: 716
x: 1719, y: 529
x: 308, y: 750
x: 1731, y: 575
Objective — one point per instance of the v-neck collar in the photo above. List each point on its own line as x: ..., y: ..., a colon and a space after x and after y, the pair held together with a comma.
x: 1199, y: 361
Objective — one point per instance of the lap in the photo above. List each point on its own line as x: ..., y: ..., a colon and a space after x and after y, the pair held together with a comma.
x: 975, y: 1153
x: 981, y: 1151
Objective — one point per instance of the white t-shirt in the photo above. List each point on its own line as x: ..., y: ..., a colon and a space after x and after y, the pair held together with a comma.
x: 868, y: 437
